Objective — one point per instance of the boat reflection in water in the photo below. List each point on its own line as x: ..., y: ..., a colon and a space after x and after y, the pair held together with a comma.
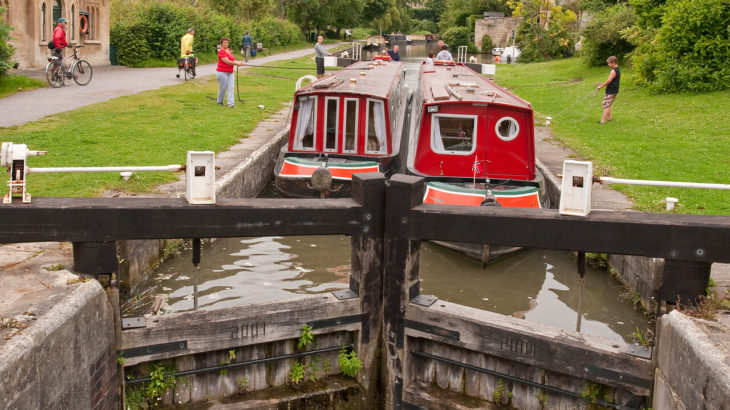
x: 538, y: 285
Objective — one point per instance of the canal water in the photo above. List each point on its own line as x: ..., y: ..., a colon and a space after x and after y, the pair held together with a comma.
x: 534, y: 284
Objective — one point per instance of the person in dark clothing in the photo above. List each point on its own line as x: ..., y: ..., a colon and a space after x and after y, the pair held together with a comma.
x: 394, y: 54
x: 611, y: 84
x: 246, y: 45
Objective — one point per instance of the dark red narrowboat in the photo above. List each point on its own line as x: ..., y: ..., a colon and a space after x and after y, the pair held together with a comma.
x: 473, y: 141
x: 349, y: 122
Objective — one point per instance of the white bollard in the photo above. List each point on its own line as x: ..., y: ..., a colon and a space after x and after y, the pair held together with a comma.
x: 671, y: 202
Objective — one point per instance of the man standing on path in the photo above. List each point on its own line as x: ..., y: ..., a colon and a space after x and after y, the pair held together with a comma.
x: 59, y: 39
x: 614, y: 77
x: 246, y: 45
x: 319, y: 54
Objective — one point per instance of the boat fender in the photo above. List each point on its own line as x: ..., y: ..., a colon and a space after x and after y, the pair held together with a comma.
x: 321, y: 180
x: 490, y: 200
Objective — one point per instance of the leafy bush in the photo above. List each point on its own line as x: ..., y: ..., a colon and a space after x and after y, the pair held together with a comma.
x: 134, y: 46
x: 539, y: 40
x: 487, y: 44
x: 456, y: 36
x: 690, y: 51
x: 603, y: 35
x: 6, y: 50
x: 156, y: 28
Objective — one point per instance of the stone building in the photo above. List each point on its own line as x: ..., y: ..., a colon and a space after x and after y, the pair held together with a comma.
x: 497, y: 26
x: 33, y: 22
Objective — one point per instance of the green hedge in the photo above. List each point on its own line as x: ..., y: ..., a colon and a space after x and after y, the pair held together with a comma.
x: 156, y: 29
x: 6, y: 50
x: 603, y: 37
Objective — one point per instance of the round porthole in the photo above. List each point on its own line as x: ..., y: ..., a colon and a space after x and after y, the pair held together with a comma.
x: 507, y: 128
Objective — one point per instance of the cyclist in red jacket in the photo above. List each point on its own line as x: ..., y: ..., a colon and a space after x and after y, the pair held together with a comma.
x: 59, y: 38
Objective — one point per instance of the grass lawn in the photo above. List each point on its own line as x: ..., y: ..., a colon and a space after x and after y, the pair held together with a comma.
x: 677, y: 137
x: 13, y: 83
x: 151, y: 128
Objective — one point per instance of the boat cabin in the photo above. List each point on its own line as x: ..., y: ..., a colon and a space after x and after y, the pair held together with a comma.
x: 465, y: 126
x: 355, y: 112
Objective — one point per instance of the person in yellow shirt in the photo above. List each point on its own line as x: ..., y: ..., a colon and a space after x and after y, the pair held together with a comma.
x: 186, y: 49
x: 186, y: 43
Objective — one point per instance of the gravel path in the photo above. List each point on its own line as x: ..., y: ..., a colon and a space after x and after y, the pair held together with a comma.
x: 108, y: 82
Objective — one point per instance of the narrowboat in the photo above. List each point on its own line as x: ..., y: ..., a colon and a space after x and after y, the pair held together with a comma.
x: 473, y: 142
x: 349, y: 122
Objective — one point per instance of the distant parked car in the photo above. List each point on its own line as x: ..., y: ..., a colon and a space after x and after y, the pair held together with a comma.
x: 497, y: 51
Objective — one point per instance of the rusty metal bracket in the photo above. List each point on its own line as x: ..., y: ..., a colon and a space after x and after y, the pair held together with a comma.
x: 337, y: 321
x: 434, y: 330
x: 153, y: 349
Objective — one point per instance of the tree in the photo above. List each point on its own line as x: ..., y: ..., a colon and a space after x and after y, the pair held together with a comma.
x: 545, y: 31
x: 603, y: 36
x: 689, y: 51
x: 6, y: 50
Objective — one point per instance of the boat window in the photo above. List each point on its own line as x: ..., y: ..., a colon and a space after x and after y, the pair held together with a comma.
x: 375, y: 131
x: 330, y: 120
x: 507, y: 128
x: 453, y: 134
x: 304, y: 136
x: 350, y: 125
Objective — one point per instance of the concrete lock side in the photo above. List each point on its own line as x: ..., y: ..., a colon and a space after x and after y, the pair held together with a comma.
x: 693, y: 369
x: 66, y: 359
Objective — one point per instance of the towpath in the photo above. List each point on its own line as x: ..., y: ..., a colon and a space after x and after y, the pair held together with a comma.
x: 108, y: 82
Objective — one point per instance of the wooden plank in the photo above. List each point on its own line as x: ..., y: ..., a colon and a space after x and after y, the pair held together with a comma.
x: 228, y: 328
x: 400, y: 275
x: 439, y: 92
x: 104, y: 219
x: 368, y: 190
x: 702, y: 238
x: 552, y: 349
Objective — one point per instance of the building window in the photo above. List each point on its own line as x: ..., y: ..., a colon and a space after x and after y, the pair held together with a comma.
x: 5, y: 5
x: 57, y: 11
x: 43, y: 22
x: 73, y: 22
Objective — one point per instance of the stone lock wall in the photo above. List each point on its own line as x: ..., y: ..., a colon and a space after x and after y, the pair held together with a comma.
x: 499, y: 29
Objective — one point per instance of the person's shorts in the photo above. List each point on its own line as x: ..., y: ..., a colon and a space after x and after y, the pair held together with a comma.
x: 608, y: 100
x: 320, y: 65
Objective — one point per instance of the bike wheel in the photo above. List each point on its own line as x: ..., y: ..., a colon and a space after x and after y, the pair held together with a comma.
x: 82, y: 72
x: 186, y: 68
x: 192, y: 70
x: 52, y: 75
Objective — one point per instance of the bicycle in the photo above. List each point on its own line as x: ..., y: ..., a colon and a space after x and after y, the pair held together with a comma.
x: 78, y: 69
x: 187, y: 65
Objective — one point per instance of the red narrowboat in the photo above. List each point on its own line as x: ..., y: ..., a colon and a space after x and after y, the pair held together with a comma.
x: 473, y: 141
x: 349, y: 122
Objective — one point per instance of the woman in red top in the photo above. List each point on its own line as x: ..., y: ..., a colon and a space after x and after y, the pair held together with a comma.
x: 224, y: 72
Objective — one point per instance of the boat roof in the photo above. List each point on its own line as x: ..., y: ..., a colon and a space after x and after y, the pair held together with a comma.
x: 371, y: 78
x: 465, y: 83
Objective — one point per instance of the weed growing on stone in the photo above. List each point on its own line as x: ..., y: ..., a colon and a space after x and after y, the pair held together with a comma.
x: 645, y: 338
x: 231, y: 356
x: 306, y: 338
x: 53, y: 268
x: 498, y: 394
x: 296, y: 374
x: 542, y: 398
x: 349, y: 362
x: 162, y: 379
x: 243, y: 384
x: 707, y: 306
